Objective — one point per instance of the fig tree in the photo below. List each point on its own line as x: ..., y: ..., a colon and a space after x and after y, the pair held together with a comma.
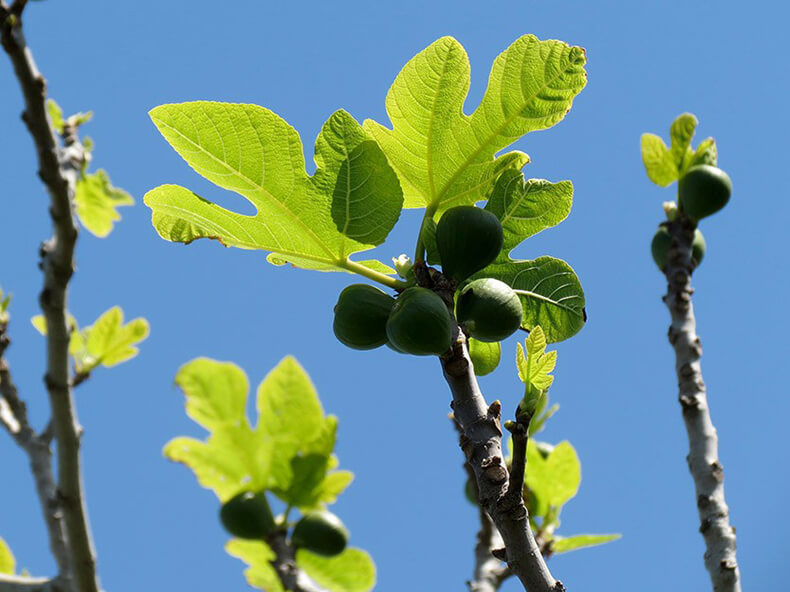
x: 320, y: 532
x: 467, y: 238
x: 662, y: 239
x: 361, y: 315
x: 419, y: 323
x: 489, y: 310
x: 703, y: 191
x: 247, y: 515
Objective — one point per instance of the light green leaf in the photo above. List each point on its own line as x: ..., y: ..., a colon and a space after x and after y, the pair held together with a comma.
x: 526, y: 207
x: 485, y: 356
x: 351, y: 571
x: 429, y: 242
x: 7, y: 561
x: 534, y: 363
x: 658, y: 160
x: 445, y: 158
x: 579, y: 541
x: 5, y: 302
x: 288, y: 405
x: 706, y: 153
x: 550, y: 293
x: 216, y: 392
x: 680, y: 132
x: 96, y: 201
x: 257, y: 555
x: 55, y: 115
x: 333, y: 485
x: 109, y: 342
x: 349, y: 205
x: 555, y: 479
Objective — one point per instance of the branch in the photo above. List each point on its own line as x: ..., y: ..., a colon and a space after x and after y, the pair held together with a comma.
x: 24, y: 584
x: 481, y: 442
x: 40, y: 458
x: 284, y: 563
x: 59, y: 170
x: 703, y: 458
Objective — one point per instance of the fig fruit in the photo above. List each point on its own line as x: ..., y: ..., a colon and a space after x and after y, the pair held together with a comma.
x: 419, y: 323
x: 703, y: 191
x: 467, y: 238
x: 361, y: 315
x: 489, y: 310
x: 660, y: 245
x: 320, y: 532
x: 247, y: 515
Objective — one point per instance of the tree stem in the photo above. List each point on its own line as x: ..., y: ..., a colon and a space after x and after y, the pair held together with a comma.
x: 703, y: 459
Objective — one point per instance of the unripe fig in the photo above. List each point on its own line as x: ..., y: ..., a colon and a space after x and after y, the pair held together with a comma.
x: 485, y: 356
x: 419, y: 323
x: 703, y: 191
x: 489, y: 310
x: 361, y: 315
x: 662, y: 239
x: 247, y: 515
x: 468, y: 238
x: 320, y: 532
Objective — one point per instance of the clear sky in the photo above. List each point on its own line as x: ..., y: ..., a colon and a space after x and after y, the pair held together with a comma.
x: 157, y: 530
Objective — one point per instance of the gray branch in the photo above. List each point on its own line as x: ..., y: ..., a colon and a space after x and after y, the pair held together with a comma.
x: 24, y: 584
x: 703, y: 459
x: 481, y: 441
x: 59, y: 169
x: 39, y: 456
x: 284, y: 563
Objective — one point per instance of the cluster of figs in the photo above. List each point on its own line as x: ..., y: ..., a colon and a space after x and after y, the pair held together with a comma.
x: 248, y: 515
x: 702, y: 191
x: 419, y: 321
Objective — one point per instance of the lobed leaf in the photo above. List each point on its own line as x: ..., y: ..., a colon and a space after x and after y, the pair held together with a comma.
x: 257, y: 555
x: 445, y: 158
x: 534, y: 363
x: 579, y: 541
x: 680, y: 132
x: 96, y: 202
x: 658, y: 160
x: 349, y: 205
x: 352, y: 570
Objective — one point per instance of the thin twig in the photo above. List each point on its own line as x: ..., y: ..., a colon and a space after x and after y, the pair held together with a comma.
x: 59, y: 169
x: 481, y: 441
x: 284, y: 563
x: 703, y: 459
x: 40, y: 458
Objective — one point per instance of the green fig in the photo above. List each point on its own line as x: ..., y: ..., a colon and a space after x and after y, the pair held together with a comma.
x: 247, y: 515
x: 468, y: 239
x: 662, y: 240
x: 703, y: 191
x: 419, y: 323
x: 361, y: 315
x: 489, y: 310
x: 320, y: 532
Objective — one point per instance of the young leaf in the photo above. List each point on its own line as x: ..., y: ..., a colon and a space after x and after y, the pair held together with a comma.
x: 680, y: 132
x: 534, y: 363
x: 109, y: 342
x: 579, y: 541
x: 5, y: 302
x: 96, y: 201
x: 216, y: 392
x: 349, y: 205
x: 445, y: 158
x: 76, y: 341
x: 55, y: 115
x: 351, y: 571
x: 257, y: 555
x: 555, y: 479
x: 706, y: 153
x: 658, y: 160
x: 7, y: 561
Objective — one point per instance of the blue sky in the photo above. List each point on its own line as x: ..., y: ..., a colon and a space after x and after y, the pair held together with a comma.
x: 157, y: 530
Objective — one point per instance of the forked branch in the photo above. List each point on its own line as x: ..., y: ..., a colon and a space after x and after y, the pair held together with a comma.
x: 703, y: 459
